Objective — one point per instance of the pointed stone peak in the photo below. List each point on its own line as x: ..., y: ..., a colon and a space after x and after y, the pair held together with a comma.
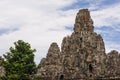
x: 83, y: 21
x: 83, y: 15
x: 54, y: 49
x: 54, y: 45
x: 113, y: 53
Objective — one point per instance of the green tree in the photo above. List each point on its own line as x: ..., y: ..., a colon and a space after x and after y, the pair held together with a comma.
x: 19, y: 62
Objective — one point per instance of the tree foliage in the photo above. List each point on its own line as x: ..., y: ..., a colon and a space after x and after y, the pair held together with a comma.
x: 19, y: 62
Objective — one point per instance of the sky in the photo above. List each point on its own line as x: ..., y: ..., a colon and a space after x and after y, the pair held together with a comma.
x: 41, y: 22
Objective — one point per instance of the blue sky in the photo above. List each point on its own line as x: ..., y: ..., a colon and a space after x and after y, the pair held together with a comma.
x: 41, y: 22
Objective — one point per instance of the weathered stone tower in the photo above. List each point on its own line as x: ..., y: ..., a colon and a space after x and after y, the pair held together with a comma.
x: 82, y: 54
x: 51, y: 65
x: 113, y: 64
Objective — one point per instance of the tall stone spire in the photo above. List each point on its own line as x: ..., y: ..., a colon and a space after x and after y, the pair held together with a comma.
x: 83, y: 21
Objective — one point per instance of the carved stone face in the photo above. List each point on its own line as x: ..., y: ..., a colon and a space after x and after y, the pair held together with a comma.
x: 77, y: 28
x: 89, y: 58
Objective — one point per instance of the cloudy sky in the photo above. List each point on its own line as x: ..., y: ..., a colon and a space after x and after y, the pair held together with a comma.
x: 41, y: 22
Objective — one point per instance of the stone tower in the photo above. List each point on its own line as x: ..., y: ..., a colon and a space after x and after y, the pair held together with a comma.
x: 113, y: 64
x: 82, y: 54
x: 51, y: 65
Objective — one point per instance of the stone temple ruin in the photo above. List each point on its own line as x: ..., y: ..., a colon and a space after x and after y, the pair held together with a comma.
x: 82, y: 55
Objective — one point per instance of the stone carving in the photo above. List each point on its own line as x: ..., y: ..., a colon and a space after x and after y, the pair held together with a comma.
x: 82, y: 54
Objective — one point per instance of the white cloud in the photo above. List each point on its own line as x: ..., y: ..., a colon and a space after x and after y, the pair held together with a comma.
x: 108, y: 16
x: 41, y: 22
x: 110, y: 45
x: 34, y: 20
